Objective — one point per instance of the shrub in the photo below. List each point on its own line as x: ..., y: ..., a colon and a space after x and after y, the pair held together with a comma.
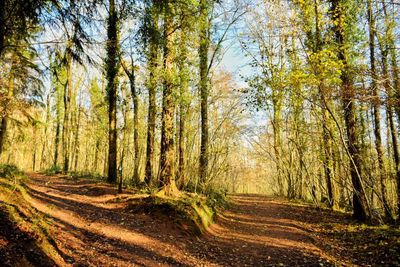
x: 217, y: 198
x: 10, y: 171
x: 55, y: 169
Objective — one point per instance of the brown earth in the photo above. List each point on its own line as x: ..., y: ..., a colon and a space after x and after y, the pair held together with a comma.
x: 93, y: 226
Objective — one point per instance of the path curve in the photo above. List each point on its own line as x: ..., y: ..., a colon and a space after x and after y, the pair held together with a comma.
x: 94, y: 227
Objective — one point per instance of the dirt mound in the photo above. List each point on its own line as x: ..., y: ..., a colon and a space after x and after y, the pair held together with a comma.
x: 19, y: 247
x: 24, y: 236
x: 190, y: 213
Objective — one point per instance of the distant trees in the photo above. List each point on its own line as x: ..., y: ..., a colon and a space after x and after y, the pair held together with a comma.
x: 317, y: 54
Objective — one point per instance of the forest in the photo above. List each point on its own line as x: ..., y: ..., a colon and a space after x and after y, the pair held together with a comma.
x: 199, y: 132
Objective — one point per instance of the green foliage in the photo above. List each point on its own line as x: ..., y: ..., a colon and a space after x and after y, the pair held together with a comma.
x: 10, y: 171
x: 86, y: 175
x: 55, y: 169
x: 217, y: 199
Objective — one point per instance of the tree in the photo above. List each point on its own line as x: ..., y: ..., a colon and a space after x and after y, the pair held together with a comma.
x: 112, y: 66
x: 130, y: 72
x: 341, y: 22
x: 386, y: 41
x: 377, y: 109
x: 203, y: 88
x: 184, y: 78
x: 152, y: 17
x: 167, y: 154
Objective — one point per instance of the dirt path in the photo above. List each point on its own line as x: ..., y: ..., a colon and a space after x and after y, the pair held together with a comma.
x: 95, y: 229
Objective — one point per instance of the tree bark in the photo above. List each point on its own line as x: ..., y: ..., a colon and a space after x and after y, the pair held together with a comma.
x: 376, y: 111
x: 112, y: 48
x: 183, y: 106
x: 204, y: 92
x: 135, y: 101
x: 167, y: 156
x: 67, y: 103
x: 152, y: 85
x: 2, y: 27
x: 360, y: 202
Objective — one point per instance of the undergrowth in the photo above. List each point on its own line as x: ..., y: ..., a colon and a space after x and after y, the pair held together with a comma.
x: 55, y: 169
x: 86, y: 175
x: 217, y: 199
x: 10, y: 171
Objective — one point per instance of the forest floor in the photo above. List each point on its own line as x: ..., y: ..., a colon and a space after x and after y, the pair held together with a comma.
x: 94, y: 226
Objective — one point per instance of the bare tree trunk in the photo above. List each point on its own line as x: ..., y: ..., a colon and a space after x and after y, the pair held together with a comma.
x: 3, y: 131
x: 34, y: 146
x: 112, y: 48
x: 135, y: 99
x: 96, y: 155
x: 46, y: 128
x: 135, y: 131
x: 76, y: 142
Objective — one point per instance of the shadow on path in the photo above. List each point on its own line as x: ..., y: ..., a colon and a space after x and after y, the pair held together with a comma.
x: 95, y: 228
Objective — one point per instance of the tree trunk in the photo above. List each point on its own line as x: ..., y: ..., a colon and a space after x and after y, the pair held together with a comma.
x: 34, y: 146
x: 360, y: 202
x: 376, y: 111
x: 384, y: 43
x: 3, y: 131
x: 96, y: 155
x: 58, y: 123
x: 203, y: 55
x: 2, y: 27
x: 152, y: 85
x: 183, y: 107
x: 43, y: 159
x: 135, y: 99
x: 76, y: 142
x: 393, y: 97
x: 112, y: 48
x: 4, y: 120
x: 67, y: 103
x: 167, y: 156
